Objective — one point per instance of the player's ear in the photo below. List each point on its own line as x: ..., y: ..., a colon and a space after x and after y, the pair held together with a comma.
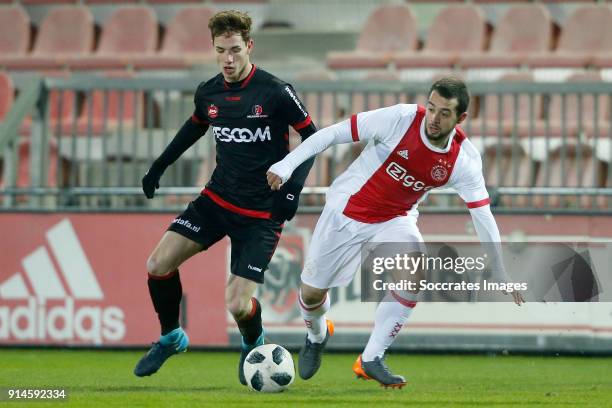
x: 249, y: 45
x: 461, y: 117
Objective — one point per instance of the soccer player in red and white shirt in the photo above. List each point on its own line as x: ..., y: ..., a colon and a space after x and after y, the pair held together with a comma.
x: 411, y: 150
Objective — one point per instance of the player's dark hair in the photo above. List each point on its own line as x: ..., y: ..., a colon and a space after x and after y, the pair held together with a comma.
x: 452, y: 87
x: 230, y: 22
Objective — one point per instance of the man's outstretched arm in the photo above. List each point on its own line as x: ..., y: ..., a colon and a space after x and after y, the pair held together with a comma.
x: 187, y: 135
x: 301, y: 172
x: 364, y: 126
x: 488, y: 234
x: 286, y: 200
x: 469, y: 182
x: 280, y: 172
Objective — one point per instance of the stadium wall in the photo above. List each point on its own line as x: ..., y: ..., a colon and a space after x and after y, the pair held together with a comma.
x: 80, y: 280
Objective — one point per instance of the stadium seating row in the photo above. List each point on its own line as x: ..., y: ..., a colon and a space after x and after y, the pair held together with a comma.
x: 56, y: 2
x: 458, y: 37
x: 571, y: 116
x: 100, y: 113
x: 555, y: 116
x: 554, y: 161
x: 129, y: 38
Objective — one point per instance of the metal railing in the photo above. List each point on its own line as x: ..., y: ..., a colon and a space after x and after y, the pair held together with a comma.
x: 90, y: 140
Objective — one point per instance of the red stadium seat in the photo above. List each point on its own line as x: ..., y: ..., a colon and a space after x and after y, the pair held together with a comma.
x: 23, y: 171
x: 603, y: 60
x: 571, y: 160
x: 320, y: 105
x: 23, y: 176
x: 67, y: 116
x: 14, y: 32
x: 111, y: 1
x: 508, y: 166
x: 62, y: 110
x: 568, y: 1
x: 62, y: 106
x: 567, y: 166
x: 491, y: 121
x: 388, y: 30
x: 241, y: 1
x: 524, y: 29
x: 185, y: 43
x: 111, y: 110
x: 7, y: 93
x: 173, y: 1
x: 455, y: 30
x: 65, y: 32
x: 362, y: 102
x: 571, y: 124
x: 437, y: 1
x: 497, y: 1
x: 48, y: 2
x: 585, y: 34
x: 129, y: 32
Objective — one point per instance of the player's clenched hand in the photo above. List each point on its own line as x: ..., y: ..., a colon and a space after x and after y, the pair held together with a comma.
x: 278, y: 174
x: 150, y: 181
x: 274, y: 180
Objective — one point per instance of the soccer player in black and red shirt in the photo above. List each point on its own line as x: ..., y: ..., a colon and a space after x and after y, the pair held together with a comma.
x: 249, y: 111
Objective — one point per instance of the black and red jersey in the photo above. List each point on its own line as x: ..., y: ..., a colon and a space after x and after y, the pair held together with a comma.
x: 250, y: 123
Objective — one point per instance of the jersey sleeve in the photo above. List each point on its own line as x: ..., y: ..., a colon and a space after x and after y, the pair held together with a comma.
x: 469, y: 183
x: 292, y: 108
x: 200, y: 113
x: 467, y: 179
x: 379, y: 124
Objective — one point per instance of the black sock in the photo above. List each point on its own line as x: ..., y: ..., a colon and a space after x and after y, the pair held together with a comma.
x: 251, y: 328
x: 166, y: 293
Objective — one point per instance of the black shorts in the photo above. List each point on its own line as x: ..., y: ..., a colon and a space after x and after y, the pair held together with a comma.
x: 253, y: 240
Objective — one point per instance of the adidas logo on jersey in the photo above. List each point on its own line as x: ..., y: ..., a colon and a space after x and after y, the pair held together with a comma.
x: 403, y: 153
x: 52, y: 313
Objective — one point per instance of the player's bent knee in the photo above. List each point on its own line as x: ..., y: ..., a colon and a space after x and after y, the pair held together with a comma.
x: 156, y: 268
x: 310, y: 295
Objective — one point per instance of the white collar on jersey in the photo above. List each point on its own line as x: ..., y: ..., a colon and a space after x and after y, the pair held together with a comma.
x: 432, y: 147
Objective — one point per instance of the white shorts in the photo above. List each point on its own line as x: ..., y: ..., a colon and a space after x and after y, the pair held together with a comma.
x: 334, y: 253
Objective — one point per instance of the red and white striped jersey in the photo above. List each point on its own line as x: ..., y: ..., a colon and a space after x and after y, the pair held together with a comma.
x: 399, y: 166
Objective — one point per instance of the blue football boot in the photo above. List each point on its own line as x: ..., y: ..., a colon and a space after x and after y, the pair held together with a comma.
x: 246, y: 349
x: 169, y: 344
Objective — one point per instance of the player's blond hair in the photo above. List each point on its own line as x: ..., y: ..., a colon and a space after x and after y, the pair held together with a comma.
x: 230, y: 22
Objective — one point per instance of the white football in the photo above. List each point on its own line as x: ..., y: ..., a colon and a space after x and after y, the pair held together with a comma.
x: 269, y: 368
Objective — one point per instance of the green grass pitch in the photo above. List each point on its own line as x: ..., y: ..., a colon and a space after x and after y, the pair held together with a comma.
x: 209, y: 379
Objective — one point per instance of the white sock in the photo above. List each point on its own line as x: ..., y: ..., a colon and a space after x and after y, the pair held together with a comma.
x: 314, y: 317
x: 391, y: 315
